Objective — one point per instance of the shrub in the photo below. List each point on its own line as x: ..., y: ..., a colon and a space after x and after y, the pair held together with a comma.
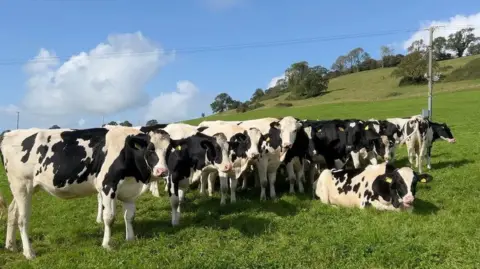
x: 284, y: 104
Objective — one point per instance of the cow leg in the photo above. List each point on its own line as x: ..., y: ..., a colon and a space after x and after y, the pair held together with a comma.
x: 291, y: 176
x: 233, y: 189
x: 108, y: 218
x: 301, y: 177
x: 203, y: 184
x: 100, y: 208
x: 211, y: 183
x: 12, y: 222
x: 154, y: 188
x: 175, y: 202
x: 128, y: 216
x: 223, y: 187
x: 23, y: 200
x: 262, y: 174
x: 244, y: 181
x: 372, y: 158
x: 272, y: 177
x: 429, y: 157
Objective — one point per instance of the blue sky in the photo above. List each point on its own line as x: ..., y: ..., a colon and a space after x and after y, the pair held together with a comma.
x: 70, y: 27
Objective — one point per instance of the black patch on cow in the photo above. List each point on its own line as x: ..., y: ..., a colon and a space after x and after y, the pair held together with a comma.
x: 49, y: 138
x: 239, y: 144
x: 273, y: 137
x: 69, y: 159
x: 393, y: 191
x: 201, y: 129
x: 42, y: 150
x: 356, y: 187
x: 299, y: 148
x: 146, y: 129
x: 27, y: 145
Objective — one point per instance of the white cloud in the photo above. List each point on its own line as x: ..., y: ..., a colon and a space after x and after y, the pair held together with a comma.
x: 107, y: 79
x: 274, y: 81
x: 223, y: 4
x: 81, y: 122
x: 452, y: 25
x: 176, y: 105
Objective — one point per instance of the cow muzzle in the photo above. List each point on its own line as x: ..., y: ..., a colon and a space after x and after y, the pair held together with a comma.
x: 160, y: 172
x: 408, y: 201
x: 227, y: 167
x: 451, y: 140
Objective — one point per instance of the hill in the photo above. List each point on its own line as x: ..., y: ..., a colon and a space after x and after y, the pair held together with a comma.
x: 372, y: 85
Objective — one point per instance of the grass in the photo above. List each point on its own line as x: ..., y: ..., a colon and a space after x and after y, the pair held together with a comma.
x: 293, y: 232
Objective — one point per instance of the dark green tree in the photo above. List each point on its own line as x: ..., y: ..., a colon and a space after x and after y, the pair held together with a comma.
x: 151, y: 122
x: 126, y: 123
x: 221, y: 103
x: 461, y: 40
x: 54, y: 127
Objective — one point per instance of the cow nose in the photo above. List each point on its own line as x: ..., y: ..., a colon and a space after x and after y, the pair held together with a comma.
x: 161, y: 172
x: 228, y: 167
x: 408, y: 200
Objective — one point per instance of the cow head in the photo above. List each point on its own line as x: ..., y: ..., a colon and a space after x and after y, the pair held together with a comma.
x: 398, y: 186
x: 218, y: 155
x: 151, y: 148
x: 238, y: 145
x: 288, y: 127
x: 442, y: 131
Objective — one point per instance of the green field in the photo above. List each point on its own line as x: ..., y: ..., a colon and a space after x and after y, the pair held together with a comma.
x: 293, y: 232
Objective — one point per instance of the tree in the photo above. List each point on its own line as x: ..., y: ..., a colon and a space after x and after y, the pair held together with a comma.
x: 151, y: 122
x: 126, y: 123
x: 355, y: 57
x: 257, y: 95
x: 417, y: 45
x: 54, y: 127
x: 392, y: 61
x: 313, y: 83
x: 369, y: 64
x: 384, y: 52
x: 439, y: 49
x: 203, y: 115
x: 296, y: 72
x: 474, y: 49
x: 460, y: 40
x: 413, y: 67
x: 112, y: 123
x: 339, y: 64
x: 221, y: 103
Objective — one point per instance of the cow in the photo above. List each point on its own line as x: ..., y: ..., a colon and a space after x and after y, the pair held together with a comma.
x: 244, y: 148
x: 280, y: 134
x: 381, y: 186
x: 419, y: 135
x: 118, y: 163
x: 390, y: 134
x: 194, y: 155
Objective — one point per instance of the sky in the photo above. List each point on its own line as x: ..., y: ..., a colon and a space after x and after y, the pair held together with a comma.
x: 75, y: 63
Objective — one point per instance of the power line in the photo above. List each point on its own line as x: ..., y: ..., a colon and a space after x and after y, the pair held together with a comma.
x: 221, y: 47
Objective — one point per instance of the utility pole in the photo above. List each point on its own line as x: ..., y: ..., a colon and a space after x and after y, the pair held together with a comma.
x: 103, y: 120
x: 430, y: 77
x: 18, y: 118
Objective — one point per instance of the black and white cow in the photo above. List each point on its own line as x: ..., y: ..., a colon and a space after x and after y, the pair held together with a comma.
x: 280, y: 135
x: 117, y: 163
x: 381, y: 186
x: 193, y: 155
x: 244, y: 147
x: 419, y: 134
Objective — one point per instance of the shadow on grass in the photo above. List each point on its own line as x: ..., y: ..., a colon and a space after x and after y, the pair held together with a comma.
x: 423, y: 207
x: 454, y: 164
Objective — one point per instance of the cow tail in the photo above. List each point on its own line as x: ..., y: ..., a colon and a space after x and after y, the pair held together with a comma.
x: 3, y: 203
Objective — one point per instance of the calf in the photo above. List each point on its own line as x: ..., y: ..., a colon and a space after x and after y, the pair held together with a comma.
x: 116, y: 163
x: 279, y: 138
x: 381, y: 186
x: 244, y: 147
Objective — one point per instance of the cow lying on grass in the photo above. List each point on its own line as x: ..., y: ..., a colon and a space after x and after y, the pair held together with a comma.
x: 382, y: 186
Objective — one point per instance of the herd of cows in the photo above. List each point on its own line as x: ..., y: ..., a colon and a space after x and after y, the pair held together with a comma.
x: 344, y: 162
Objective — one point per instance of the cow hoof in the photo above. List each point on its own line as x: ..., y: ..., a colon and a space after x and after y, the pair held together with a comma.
x: 130, y: 238
x: 107, y: 247
x: 29, y: 255
x: 11, y: 247
x: 99, y: 220
x: 429, y: 167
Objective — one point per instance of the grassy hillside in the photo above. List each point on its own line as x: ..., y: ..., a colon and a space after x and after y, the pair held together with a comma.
x: 293, y: 232
x: 373, y: 85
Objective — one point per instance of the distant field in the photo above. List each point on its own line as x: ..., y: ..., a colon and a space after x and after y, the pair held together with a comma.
x: 374, y: 85
x: 293, y: 232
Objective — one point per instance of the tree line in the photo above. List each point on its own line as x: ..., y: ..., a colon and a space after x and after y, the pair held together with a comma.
x: 303, y: 81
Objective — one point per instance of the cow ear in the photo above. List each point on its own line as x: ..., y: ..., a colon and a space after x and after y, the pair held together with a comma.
x: 238, y: 137
x: 178, y: 145
x: 275, y: 124
x: 424, y: 178
x: 209, y: 148
x: 138, y: 142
